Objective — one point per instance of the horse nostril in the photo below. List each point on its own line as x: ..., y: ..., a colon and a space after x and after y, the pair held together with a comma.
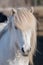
x: 22, y: 50
x: 29, y: 50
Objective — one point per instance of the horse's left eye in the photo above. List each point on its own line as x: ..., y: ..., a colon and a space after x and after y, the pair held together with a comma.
x: 16, y: 28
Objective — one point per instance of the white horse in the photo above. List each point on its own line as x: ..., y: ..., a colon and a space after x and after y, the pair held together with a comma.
x: 15, y: 44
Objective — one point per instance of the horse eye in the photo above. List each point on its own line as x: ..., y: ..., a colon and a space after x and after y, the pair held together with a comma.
x: 16, y: 28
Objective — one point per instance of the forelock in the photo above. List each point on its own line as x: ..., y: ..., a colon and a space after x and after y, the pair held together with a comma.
x: 24, y: 18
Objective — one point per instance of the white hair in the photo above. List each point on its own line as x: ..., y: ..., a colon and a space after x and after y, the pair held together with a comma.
x: 25, y: 20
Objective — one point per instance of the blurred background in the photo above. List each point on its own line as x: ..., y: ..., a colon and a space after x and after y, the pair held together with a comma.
x: 38, y: 12
x: 13, y: 3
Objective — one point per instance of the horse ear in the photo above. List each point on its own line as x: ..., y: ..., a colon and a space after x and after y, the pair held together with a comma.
x: 13, y: 11
x: 32, y: 10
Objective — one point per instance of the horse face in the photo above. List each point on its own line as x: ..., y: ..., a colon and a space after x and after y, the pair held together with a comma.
x: 24, y: 39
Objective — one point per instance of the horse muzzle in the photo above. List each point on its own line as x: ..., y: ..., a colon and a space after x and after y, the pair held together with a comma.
x: 25, y: 53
